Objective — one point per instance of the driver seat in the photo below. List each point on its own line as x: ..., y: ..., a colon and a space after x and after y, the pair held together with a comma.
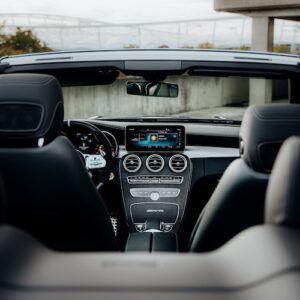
x: 49, y: 192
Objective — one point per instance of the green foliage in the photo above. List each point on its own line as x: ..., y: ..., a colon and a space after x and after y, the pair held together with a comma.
x: 245, y: 48
x: 281, y: 48
x: 186, y: 46
x: 21, y: 42
x: 206, y: 45
x: 131, y: 46
x: 163, y: 46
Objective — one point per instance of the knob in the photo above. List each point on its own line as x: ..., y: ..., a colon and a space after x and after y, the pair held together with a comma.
x: 154, y: 196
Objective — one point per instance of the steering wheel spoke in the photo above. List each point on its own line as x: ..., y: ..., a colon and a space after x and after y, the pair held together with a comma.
x: 93, y: 146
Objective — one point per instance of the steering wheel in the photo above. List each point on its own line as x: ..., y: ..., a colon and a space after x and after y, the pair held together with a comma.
x: 93, y: 147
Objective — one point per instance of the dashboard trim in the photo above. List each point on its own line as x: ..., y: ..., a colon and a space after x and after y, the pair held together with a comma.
x: 161, y: 159
x: 198, y: 152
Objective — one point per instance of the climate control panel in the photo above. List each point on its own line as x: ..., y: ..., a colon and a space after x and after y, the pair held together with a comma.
x: 154, y: 193
x: 146, y: 179
x: 155, y: 187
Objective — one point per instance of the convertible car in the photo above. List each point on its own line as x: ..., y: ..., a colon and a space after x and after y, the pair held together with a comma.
x: 141, y: 174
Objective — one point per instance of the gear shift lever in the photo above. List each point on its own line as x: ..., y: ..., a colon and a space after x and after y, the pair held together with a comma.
x: 152, y: 225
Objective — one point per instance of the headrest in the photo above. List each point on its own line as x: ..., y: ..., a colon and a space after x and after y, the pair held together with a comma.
x: 31, y: 107
x: 263, y: 130
x: 283, y: 192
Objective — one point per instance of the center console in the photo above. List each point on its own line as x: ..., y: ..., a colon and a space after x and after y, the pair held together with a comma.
x: 155, y: 178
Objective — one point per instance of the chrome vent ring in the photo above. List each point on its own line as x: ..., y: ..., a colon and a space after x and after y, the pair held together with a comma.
x: 178, y: 163
x: 155, y: 163
x: 132, y: 163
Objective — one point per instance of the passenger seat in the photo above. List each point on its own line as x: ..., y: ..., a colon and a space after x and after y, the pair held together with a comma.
x: 238, y: 201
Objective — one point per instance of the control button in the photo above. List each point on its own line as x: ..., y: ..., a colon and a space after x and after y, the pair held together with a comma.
x: 144, y: 193
x: 154, y: 180
x: 145, y: 179
x: 166, y: 227
x: 154, y: 196
x: 157, y: 192
x: 140, y: 227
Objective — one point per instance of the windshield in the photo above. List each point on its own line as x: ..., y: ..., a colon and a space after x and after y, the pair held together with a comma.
x: 222, y: 98
x: 44, y: 26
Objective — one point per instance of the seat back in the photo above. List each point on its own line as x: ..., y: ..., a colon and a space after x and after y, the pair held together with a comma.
x: 49, y: 192
x: 283, y: 193
x: 238, y: 201
x: 2, y: 202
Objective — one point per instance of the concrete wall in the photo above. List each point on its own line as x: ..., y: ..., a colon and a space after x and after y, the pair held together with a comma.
x: 195, y: 93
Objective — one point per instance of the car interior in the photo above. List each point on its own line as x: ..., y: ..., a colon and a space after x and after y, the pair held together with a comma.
x: 145, y: 207
x: 32, y: 271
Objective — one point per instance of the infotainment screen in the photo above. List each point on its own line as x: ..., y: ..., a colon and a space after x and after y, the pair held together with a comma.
x: 157, y: 138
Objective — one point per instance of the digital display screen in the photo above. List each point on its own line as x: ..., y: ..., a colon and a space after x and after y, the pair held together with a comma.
x: 158, y: 138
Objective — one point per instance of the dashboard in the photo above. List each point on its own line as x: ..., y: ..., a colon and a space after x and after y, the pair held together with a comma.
x: 155, y: 177
x: 158, y: 165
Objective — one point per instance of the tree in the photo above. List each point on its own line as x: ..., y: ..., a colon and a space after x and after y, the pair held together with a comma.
x: 21, y: 42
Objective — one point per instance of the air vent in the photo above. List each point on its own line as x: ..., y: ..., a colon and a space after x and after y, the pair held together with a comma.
x: 132, y: 163
x: 178, y: 163
x: 155, y: 163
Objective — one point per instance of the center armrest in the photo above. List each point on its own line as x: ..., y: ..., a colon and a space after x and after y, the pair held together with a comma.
x: 152, y: 242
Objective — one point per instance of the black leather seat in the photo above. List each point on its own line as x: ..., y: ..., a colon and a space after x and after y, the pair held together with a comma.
x: 261, y: 262
x: 283, y: 193
x: 2, y: 202
x: 238, y: 201
x: 49, y: 191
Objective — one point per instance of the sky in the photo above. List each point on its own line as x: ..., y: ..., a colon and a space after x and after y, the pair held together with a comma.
x: 116, y: 11
x: 228, y: 33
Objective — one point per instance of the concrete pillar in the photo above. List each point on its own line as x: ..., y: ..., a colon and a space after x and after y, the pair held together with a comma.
x: 262, y: 34
x: 262, y: 40
x: 260, y: 91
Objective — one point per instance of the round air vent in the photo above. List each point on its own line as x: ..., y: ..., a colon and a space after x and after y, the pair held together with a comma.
x: 132, y: 163
x: 178, y: 163
x: 155, y: 163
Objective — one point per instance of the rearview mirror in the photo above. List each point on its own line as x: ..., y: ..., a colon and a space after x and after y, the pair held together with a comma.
x: 153, y: 89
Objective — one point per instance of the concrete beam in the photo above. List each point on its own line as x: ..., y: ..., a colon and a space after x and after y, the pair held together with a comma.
x: 287, y: 14
x: 253, y: 5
